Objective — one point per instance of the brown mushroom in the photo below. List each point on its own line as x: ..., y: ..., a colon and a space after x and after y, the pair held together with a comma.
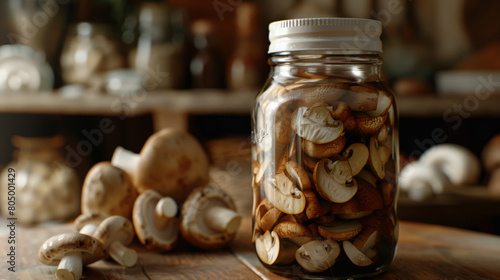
x: 108, y: 190
x: 324, y: 150
x: 333, y: 180
x: 298, y: 175
x: 209, y: 219
x: 366, y: 200
x: 315, y: 124
x: 361, y: 98
x: 115, y: 232
x: 292, y: 202
x: 171, y: 162
x: 271, y: 249
x: 317, y: 255
x: 341, y: 111
x: 357, y: 154
x: 154, y: 221
x: 71, y: 251
x: 355, y: 255
x: 267, y: 215
x: 369, y: 126
x: 340, y: 230
x: 378, y: 158
x: 291, y: 230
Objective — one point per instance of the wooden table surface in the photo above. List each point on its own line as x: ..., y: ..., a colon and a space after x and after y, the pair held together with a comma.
x: 424, y: 252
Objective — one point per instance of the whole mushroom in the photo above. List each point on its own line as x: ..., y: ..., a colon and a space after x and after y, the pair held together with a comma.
x: 154, y: 221
x: 438, y: 169
x: 71, y: 262
x: 108, y: 189
x: 209, y: 219
x: 70, y: 251
x: 115, y: 232
x: 171, y: 162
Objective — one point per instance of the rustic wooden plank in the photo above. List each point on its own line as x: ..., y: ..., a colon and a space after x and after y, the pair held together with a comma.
x: 424, y: 252
x: 185, y: 262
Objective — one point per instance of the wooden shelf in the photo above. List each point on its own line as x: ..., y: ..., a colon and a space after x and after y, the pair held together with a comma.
x: 438, y: 106
x: 174, y: 101
x: 214, y: 101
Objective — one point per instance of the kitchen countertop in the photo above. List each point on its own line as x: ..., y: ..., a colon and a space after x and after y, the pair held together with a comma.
x: 424, y: 252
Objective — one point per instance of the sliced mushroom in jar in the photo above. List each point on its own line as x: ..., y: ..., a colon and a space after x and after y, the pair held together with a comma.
x: 316, y: 124
x: 317, y: 255
x: 333, y: 180
x: 289, y: 204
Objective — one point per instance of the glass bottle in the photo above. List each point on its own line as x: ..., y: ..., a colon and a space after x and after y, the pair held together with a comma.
x: 205, y: 66
x: 157, y: 56
x: 247, y: 63
x: 325, y: 152
x: 46, y: 189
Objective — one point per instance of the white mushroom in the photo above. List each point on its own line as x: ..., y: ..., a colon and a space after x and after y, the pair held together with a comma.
x: 171, y: 162
x: 421, y: 181
x: 209, y: 219
x: 457, y: 162
x: 154, y: 221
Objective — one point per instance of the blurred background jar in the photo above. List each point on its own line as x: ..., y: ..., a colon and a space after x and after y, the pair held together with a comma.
x: 246, y: 66
x: 46, y: 188
x: 206, y: 66
x: 159, y: 54
x: 89, y: 51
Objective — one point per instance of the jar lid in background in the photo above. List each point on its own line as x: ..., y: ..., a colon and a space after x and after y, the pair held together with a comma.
x: 335, y: 34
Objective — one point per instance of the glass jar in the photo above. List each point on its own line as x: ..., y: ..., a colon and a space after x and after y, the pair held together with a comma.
x: 89, y: 51
x: 325, y: 152
x: 46, y: 189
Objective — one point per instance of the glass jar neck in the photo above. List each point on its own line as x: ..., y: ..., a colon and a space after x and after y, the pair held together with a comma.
x: 353, y: 66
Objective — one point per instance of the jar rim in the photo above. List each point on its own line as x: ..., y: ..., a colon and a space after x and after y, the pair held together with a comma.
x: 340, y: 34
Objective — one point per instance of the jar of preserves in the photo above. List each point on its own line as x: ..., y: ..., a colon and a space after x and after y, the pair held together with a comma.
x: 325, y: 152
x: 43, y: 187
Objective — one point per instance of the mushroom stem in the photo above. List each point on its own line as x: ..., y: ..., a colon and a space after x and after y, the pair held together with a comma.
x: 121, y: 254
x: 165, y: 210
x: 70, y: 267
x: 222, y: 219
x: 125, y: 159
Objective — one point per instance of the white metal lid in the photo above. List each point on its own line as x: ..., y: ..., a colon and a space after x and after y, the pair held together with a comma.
x: 348, y: 34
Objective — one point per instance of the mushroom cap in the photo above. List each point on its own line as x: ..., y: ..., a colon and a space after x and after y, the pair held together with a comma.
x: 109, y: 190
x: 53, y: 250
x: 457, y: 162
x: 172, y: 162
x: 144, y: 223
x: 115, y: 228
x: 193, y: 227
x: 421, y: 180
x: 88, y: 218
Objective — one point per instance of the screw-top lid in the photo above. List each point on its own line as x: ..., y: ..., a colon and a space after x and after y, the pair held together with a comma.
x: 339, y: 34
